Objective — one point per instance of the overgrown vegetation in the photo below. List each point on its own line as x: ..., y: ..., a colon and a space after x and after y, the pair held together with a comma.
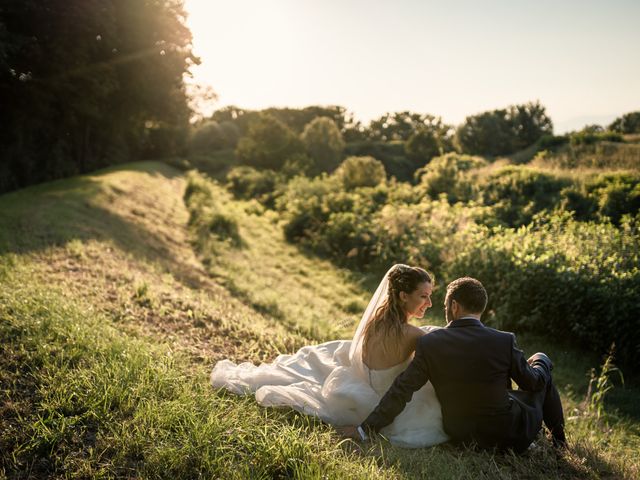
x: 110, y: 329
x: 518, y: 228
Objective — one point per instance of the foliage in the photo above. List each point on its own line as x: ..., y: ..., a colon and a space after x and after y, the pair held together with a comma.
x: 323, y: 143
x: 628, y: 123
x: 517, y: 193
x: 450, y: 174
x: 401, y: 125
x: 503, y: 131
x: 559, y: 278
x: 247, y: 183
x: 549, y: 141
x: 211, y: 136
x: 422, y: 146
x: 391, y: 154
x: 206, y: 218
x: 268, y: 143
x: 590, y: 136
x: 361, y: 172
x: 294, y: 118
x: 601, y: 384
x: 76, y: 89
x: 609, y: 195
x: 602, y: 155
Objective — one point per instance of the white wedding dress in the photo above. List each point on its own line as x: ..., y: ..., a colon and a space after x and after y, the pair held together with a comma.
x: 331, y: 382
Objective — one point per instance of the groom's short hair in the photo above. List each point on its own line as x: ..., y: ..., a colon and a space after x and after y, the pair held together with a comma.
x: 469, y: 293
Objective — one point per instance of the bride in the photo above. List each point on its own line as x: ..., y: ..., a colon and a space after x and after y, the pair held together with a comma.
x: 342, y: 381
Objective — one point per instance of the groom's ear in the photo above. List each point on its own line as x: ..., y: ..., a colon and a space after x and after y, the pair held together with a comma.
x: 454, y: 307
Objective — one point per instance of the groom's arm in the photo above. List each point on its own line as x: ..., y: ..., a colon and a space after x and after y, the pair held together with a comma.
x: 532, y: 374
x: 400, y: 393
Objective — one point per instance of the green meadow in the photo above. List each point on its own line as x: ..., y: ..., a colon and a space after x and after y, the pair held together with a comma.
x: 119, y: 291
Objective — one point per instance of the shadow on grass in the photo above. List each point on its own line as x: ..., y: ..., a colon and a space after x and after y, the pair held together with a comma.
x: 57, y: 213
x: 449, y: 461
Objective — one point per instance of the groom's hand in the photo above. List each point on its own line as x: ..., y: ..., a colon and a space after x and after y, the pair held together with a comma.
x: 350, y: 431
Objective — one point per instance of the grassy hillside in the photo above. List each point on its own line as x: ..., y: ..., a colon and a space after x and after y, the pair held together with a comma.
x: 111, y: 323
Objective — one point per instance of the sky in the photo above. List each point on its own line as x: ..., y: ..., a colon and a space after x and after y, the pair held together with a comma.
x: 449, y: 58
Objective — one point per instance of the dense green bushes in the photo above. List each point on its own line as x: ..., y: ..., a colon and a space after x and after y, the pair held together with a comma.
x: 357, y: 172
x: 269, y: 143
x: 557, y: 252
x: 391, y: 154
x: 247, y: 182
x: 609, y: 195
x: 452, y: 175
x: 518, y: 193
x: 206, y: 218
x: 572, y: 280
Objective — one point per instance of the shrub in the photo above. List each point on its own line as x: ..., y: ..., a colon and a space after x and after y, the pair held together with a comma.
x: 518, y: 193
x: 247, y: 182
x: 391, y: 154
x: 224, y: 227
x: 206, y: 217
x: 302, y: 205
x: 609, y: 195
x: 361, y: 172
x: 448, y: 174
x: 590, y: 137
x: 557, y: 277
x: 550, y: 141
x: 504, y: 131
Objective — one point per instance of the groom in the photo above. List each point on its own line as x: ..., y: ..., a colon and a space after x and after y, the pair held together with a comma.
x: 471, y: 367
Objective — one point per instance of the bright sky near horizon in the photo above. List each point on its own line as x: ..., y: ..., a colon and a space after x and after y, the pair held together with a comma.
x: 451, y: 58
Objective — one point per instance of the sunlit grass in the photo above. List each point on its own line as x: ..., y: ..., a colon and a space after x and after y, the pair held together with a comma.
x: 82, y: 399
x: 305, y: 293
x: 89, y: 390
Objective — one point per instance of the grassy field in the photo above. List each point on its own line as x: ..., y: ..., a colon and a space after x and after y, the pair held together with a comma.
x: 110, y: 324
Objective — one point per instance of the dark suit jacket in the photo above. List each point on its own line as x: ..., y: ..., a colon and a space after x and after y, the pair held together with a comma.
x: 471, y: 367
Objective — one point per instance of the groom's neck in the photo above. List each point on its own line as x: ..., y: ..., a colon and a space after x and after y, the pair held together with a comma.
x: 467, y: 315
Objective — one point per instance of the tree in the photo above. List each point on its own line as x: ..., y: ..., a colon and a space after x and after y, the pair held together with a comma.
x: 504, y: 131
x: 422, y: 146
x: 528, y: 123
x: 269, y: 143
x: 88, y: 84
x: 487, y: 133
x: 323, y: 143
x: 628, y: 123
x: 401, y: 125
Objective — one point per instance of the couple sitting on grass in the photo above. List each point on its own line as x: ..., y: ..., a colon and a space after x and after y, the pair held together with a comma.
x: 415, y: 386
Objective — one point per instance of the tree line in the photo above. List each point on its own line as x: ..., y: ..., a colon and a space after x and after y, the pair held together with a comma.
x: 316, y: 139
x: 89, y: 83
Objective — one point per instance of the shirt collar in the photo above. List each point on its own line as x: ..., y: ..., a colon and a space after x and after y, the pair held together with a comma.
x: 465, y: 322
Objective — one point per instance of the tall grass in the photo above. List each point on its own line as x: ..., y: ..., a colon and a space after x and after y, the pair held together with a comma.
x: 88, y: 392
x: 81, y: 399
x: 307, y: 294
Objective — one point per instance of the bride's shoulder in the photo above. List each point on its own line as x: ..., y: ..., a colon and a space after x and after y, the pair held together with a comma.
x: 414, y: 333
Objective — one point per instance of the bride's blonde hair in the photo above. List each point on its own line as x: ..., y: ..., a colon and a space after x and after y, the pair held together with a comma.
x: 390, y: 316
